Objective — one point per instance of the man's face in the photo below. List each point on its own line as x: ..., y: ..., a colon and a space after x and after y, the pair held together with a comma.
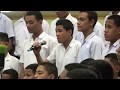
x: 32, y: 23
x: 111, y: 31
x: 41, y: 73
x: 62, y: 34
x: 83, y: 22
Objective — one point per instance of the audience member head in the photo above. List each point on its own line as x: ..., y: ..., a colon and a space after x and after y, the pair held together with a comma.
x: 30, y: 71
x: 113, y: 60
x: 103, y: 67
x: 86, y: 61
x: 68, y: 67
x: 46, y: 70
x: 9, y: 74
x: 84, y: 73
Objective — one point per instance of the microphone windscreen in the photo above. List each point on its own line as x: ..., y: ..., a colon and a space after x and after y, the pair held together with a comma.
x: 3, y: 49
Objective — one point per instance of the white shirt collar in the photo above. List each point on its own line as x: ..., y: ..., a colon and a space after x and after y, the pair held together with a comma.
x: 7, y: 57
x: 71, y: 43
x: 90, y: 36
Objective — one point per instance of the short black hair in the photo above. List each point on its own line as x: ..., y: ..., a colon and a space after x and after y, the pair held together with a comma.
x: 4, y: 37
x: 83, y: 73
x: 67, y: 24
x: 38, y: 15
x: 50, y: 68
x: 103, y: 67
x: 13, y: 73
x: 116, y: 19
x: 92, y: 15
x: 71, y: 66
x: 113, y: 58
x: 33, y: 67
x: 86, y: 61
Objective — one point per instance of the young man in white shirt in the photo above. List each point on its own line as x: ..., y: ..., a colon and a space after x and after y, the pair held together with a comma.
x: 10, y: 61
x: 92, y: 45
x: 33, y: 21
x: 112, y: 34
x: 111, y: 13
x: 22, y: 33
x: 6, y: 26
x: 67, y: 50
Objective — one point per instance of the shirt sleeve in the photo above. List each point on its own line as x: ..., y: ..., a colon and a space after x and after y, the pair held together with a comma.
x: 52, y: 56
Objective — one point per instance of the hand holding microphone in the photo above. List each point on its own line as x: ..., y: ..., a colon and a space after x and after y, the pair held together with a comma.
x: 36, y: 45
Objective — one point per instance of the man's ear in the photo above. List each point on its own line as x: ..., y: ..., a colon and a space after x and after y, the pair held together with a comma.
x: 40, y: 21
x: 70, y: 31
x: 51, y: 76
x: 119, y: 30
x: 92, y: 22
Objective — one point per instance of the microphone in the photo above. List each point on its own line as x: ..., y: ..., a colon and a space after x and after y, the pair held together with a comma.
x: 33, y: 47
x: 3, y: 52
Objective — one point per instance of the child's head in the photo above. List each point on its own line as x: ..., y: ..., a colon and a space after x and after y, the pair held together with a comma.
x: 46, y: 70
x: 10, y: 74
x: 30, y: 71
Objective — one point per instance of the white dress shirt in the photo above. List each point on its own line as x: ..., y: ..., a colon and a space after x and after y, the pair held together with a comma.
x: 99, y: 30
x: 6, y: 25
x: 91, y: 48
x: 111, y: 49
x: 61, y: 56
x: 22, y: 33
x: 28, y: 57
x: 52, y: 30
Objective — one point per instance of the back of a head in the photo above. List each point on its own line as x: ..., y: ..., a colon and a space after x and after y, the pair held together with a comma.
x: 113, y: 58
x: 38, y: 15
x: 86, y: 61
x: 82, y: 73
x: 50, y: 68
x: 12, y: 73
x: 33, y: 67
x: 71, y: 66
x: 103, y: 67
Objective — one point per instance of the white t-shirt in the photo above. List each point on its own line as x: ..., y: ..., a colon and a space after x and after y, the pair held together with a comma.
x: 99, y: 30
x: 22, y: 33
x: 6, y: 25
x: 61, y: 56
x: 11, y: 62
x: 91, y: 48
x: 28, y: 57
x: 107, y: 49
x: 52, y: 30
